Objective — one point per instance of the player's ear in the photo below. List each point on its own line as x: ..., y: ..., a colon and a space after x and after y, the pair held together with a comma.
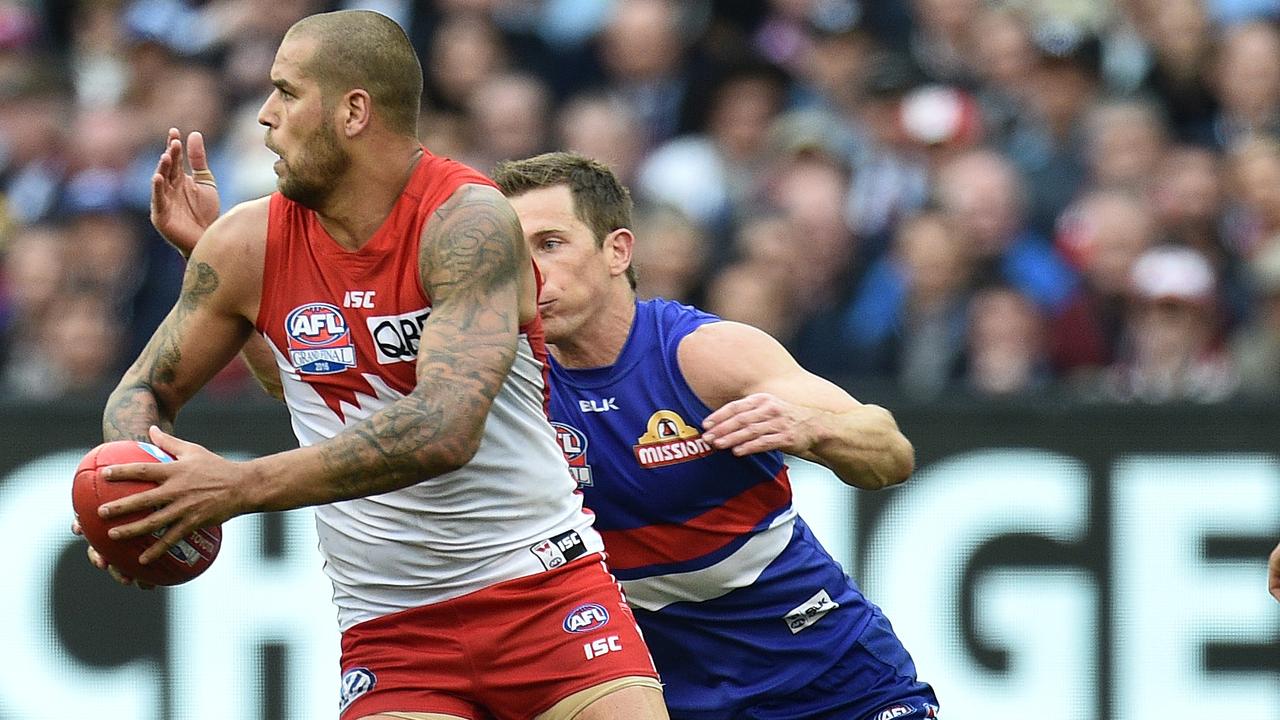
x: 355, y: 112
x: 618, y: 246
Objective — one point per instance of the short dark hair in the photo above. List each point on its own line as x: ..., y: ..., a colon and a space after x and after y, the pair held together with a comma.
x: 366, y: 50
x: 600, y: 201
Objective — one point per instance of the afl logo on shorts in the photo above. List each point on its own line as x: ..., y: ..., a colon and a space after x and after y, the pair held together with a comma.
x: 585, y: 618
x: 355, y: 682
x: 319, y: 340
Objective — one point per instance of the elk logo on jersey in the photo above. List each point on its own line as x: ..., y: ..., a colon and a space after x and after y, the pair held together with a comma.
x: 669, y: 440
x: 319, y: 339
x: 574, y: 446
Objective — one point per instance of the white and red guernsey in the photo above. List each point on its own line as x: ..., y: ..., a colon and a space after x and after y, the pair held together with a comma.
x: 344, y: 327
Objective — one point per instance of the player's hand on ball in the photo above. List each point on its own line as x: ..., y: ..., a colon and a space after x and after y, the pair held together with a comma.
x: 96, y: 559
x: 183, y: 205
x: 198, y: 490
x: 758, y: 423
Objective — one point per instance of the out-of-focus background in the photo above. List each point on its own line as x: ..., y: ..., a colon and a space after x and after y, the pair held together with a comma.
x: 1046, y: 233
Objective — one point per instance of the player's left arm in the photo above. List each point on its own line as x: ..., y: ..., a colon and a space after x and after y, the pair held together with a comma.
x: 472, y: 254
x: 764, y: 400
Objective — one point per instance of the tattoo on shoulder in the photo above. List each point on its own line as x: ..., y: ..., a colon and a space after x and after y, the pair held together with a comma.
x: 473, y: 241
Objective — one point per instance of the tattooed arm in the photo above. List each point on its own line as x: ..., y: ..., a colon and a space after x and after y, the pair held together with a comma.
x: 470, y: 261
x: 475, y: 267
x: 206, y: 327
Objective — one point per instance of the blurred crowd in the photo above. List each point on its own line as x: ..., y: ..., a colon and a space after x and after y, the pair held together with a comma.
x: 952, y: 198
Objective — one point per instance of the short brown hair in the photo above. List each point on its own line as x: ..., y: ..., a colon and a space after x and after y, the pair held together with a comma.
x: 366, y: 50
x: 600, y: 201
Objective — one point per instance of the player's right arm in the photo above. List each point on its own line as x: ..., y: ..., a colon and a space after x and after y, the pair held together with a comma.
x: 208, y: 324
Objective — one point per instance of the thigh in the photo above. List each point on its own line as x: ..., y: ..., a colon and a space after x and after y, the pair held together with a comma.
x: 629, y: 697
x: 411, y: 716
x: 407, y: 662
x: 874, y: 680
x: 555, y: 635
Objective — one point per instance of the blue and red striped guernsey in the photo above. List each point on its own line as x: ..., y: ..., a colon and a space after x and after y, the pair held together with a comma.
x: 725, y: 578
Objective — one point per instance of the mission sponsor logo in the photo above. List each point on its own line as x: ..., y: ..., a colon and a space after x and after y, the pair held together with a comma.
x: 669, y: 440
x: 574, y: 446
x: 319, y: 340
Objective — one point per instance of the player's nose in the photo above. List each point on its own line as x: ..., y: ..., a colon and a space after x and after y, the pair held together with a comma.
x: 267, y: 114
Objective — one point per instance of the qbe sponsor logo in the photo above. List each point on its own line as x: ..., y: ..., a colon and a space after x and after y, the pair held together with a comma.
x: 585, y: 618
x: 319, y: 339
x: 396, y: 337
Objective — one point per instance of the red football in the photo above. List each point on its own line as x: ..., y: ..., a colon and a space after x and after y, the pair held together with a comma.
x: 190, y: 557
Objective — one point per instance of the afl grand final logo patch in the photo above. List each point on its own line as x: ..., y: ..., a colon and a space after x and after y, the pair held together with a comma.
x: 319, y: 340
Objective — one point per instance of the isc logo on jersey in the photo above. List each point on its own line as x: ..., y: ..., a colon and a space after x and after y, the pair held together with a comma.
x: 669, y: 440
x: 574, y: 446
x: 319, y: 340
x: 585, y: 618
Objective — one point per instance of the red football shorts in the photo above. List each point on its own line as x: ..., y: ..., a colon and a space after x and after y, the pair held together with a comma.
x: 509, y: 651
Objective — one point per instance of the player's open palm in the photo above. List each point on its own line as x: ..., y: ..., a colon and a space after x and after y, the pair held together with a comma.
x: 182, y: 204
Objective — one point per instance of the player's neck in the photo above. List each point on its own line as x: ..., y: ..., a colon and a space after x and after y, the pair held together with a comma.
x: 599, y: 341
x: 365, y: 196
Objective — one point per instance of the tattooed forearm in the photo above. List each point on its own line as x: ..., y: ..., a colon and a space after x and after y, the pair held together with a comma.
x: 145, y: 394
x: 130, y: 411
x: 470, y: 259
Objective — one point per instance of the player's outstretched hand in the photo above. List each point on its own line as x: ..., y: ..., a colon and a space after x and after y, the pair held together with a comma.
x: 96, y: 559
x: 758, y: 423
x: 183, y: 205
x: 198, y: 489
x: 1273, y: 573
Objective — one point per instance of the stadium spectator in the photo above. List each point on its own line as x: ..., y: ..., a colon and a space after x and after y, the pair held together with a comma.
x: 985, y: 198
x: 508, y: 114
x: 672, y: 263
x: 912, y: 327
x: 1103, y: 234
x: 713, y: 175
x: 1006, y: 351
x: 1124, y: 143
x: 1172, y: 337
x: 1247, y: 82
x: 598, y: 126
x: 1255, y: 346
